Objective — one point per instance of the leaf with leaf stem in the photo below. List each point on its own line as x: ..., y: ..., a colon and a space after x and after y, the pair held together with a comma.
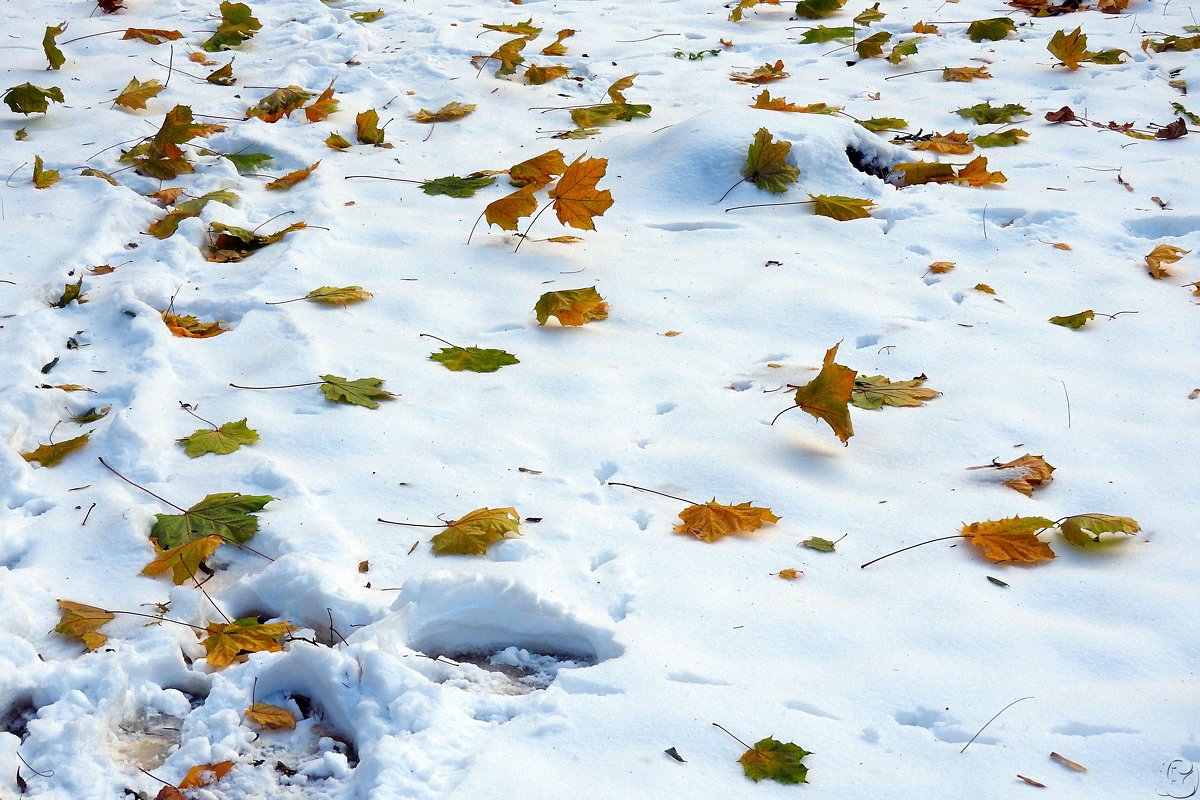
x: 280, y: 103
x: 557, y: 48
x: 766, y: 163
x: 43, y: 178
x: 765, y: 74
x: 827, y: 396
x: 869, y: 15
x: 29, y: 99
x: 473, y: 359
x: 50, y: 455
x: 223, y: 440
x: 454, y: 186
x: 571, y: 307
x: 183, y: 560
x: 165, y: 228
x: 506, y: 211
x: 1162, y: 255
x: 237, y: 25
x: 986, y: 114
x: 822, y: 34
x: 907, y: 47
x: 508, y: 54
x: 155, y: 36
x: 271, y: 718
x: 1006, y: 138
x: 292, y: 178
x: 576, y: 199
x: 136, y: 93
x: 83, y: 622
x: 964, y: 74
x: 877, y: 124
x: 50, y: 46
x: 450, y: 111
x: 816, y: 9
x: 72, y: 293
x: 229, y: 515
x: 1074, y: 321
x: 358, y: 392
x: 187, y: 326
x: 340, y: 296
x: 711, y: 521
x: 774, y: 760
x: 230, y: 243
x: 1011, y: 539
x: 230, y: 642
x: 537, y: 76
x: 526, y: 29
x: 872, y: 46
x: 367, y: 16
x: 1083, y: 530
x: 841, y: 208
x: 368, y: 130
x: 990, y: 30
x: 876, y: 391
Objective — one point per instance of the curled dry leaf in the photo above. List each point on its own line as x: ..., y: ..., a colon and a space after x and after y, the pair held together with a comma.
x: 765, y: 74
x: 941, y: 267
x: 475, y: 532
x: 876, y: 391
x: 450, y: 111
x: 789, y: 574
x: 1162, y: 255
x: 1034, y: 471
x: 292, y: 178
x: 1068, y: 763
x: 204, y: 774
x: 964, y: 74
x: 189, y: 327
x: 571, y: 307
x: 1074, y: 321
x: 712, y: 520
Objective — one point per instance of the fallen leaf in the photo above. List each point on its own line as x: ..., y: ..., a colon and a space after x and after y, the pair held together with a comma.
x: 165, y: 228
x: 29, y: 99
x: 1011, y: 539
x: 712, y: 520
x: 156, y: 36
x: 199, y: 58
x: 976, y: 173
x: 228, y: 243
x: 322, y: 107
x: 765, y: 74
x: 575, y: 198
x: 1074, y: 321
x: 223, y: 440
x: 1034, y: 471
x: 907, y: 47
x: 358, y: 392
x: 72, y: 293
x: 229, y: 642
x: 879, y: 124
x: 83, y: 622
x: 340, y: 296
x: 925, y: 27
x: 336, y: 141
x: 789, y: 574
x: 93, y: 414
x: 292, y: 178
x: 526, y: 28
x: 506, y: 211
x: 766, y: 163
x: 1160, y: 256
x: 869, y: 15
x: 1082, y: 530
x: 821, y: 34
x: 280, y: 103
x: 953, y: 143
x: 1113, y: 6
x: 229, y: 515
x: 986, y: 114
x: 1069, y: 48
x: 1031, y: 781
x: 454, y: 186
x: 941, y: 267
x: 964, y: 74
x: 50, y: 46
x: 827, y: 396
x: 183, y: 560
x: 169, y: 793
x: 983, y: 287
x: 736, y: 14
x: 271, y: 718
x: 160, y: 156
x: 1006, y: 138
x: 101, y: 174
x: 237, y: 25
x: 538, y: 171
x: 367, y: 16
x: 540, y: 75
x: 246, y: 163
x: 816, y: 9
x: 914, y: 173
x: 1066, y: 762
x: 1173, y: 130
x: 876, y: 391
x: 776, y: 761
x: 43, y: 178
x: 189, y: 327
x: 367, y: 126
x: 557, y: 48
x: 819, y: 544
x: 619, y: 108
x: 222, y: 76
x: 508, y: 54
x: 841, y: 208
x: 571, y: 307
x: 473, y: 359
x: 136, y: 93
x: 450, y: 111
x: 50, y: 455
x: 1064, y: 114
x: 872, y: 46
x: 472, y: 534
x: 990, y: 30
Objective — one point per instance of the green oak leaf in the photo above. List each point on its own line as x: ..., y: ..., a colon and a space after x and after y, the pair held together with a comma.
x: 473, y: 359
x: 1082, y: 530
x: 229, y: 515
x: 454, y: 186
x: 29, y: 99
x: 766, y: 163
x: 776, y: 761
x: 991, y: 30
x: 358, y: 392
x: 223, y: 440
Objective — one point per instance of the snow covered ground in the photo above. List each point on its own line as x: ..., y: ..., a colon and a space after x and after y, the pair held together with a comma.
x: 565, y: 661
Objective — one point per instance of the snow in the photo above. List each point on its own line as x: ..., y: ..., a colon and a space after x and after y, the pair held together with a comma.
x: 566, y: 661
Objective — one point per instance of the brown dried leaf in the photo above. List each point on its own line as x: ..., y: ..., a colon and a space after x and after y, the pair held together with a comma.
x: 712, y: 521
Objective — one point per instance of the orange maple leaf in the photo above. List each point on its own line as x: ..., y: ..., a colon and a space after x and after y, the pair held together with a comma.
x: 508, y: 209
x: 712, y: 520
x: 189, y: 327
x: 827, y: 396
x: 1034, y: 471
x: 1011, y: 539
x: 204, y: 774
x: 538, y: 171
x: 323, y: 106
x: 576, y: 199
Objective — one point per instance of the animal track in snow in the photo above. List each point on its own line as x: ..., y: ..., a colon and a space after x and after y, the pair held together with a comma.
x: 939, y: 724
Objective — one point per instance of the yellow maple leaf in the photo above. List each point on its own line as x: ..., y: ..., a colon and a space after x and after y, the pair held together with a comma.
x: 474, y: 532
x: 538, y: 171
x: 976, y: 173
x: 271, y: 718
x: 952, y: 143
x: 964, y: 74
x: 508, y: 209
x: 827, y: 396
x: 1160, y: 256
x: 83, y: 622
x: 322, y: 107
x: 712, y: 520
x: 189, y: 327
x: 136, y: 93
x: 572, y: 307
x: 450, y: 111
x: 49, y: 455
x: 204, y: 774
x: 229, y: 642
x: 185, y: 559
x: 1033, y: 472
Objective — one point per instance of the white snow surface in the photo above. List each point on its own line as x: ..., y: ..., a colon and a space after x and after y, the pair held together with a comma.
x: 564, y: 662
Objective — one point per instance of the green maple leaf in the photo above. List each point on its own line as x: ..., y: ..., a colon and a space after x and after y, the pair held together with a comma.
x: 869, y: 15
x: 223, y: 440
x: 526, y: 28
x: 29, y: 99
x: 49, y: 455
x: 987, y: 114
x: 590, y: 116
x: 819, y: 544
x: 816, y: 9
x: 229, y: 515
x: 473, y: 359
x: 367, y: 16
x: 72, y: 293
x: 876, y: 124
x: 992, y: 30
x: 237, y: 25
x: 841, y: 208
x: 776, y: 761
x: 358, y: 392
x: 50, y: 47
x: 908, y: 47
x: 454, y: 186
x: 766, y: 163
x: 1082, y: 530
x: 248, y: 162
x: 822, y: 34
x: 472, y: 534
x: 1074, y: 321
x: 1001, y: 139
